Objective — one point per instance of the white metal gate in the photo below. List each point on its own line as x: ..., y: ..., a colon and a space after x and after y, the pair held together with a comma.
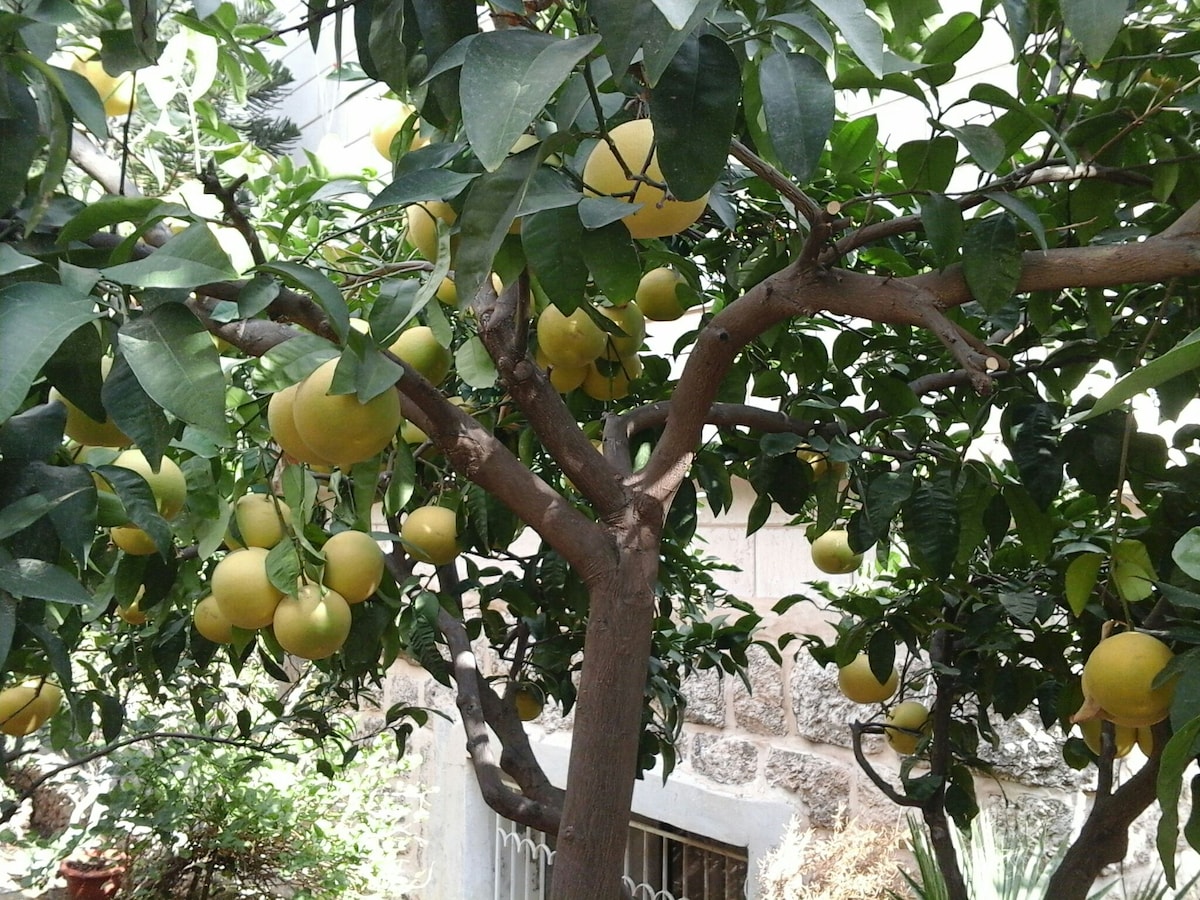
x: 660, y: 864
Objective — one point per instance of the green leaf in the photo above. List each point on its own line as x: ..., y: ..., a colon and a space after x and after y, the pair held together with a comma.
x: 24, y: 512
x: 943, y: 222
x: 858, y: 29
x: 552, y: 241
x: 473, y: 364
x: 951, y: 41
x: 1094, y: 24
x: 108, y: 211
x: 853, y: 144
x: 283, y: 566
x: 1183, y: 357
x: 139, y: 502
x: 508, y: 76
x: 1133, y: 571
x: 1030, y: 431
x: 177, y: 364
x: 324, y: 291
x: 492, y: 204
x: 424, y: 184
x: 1177, y: 755
x: 85, y: 103
x: 676, y: 12
x: 983, y: 145
x: 34, y: 320
x: 613, y: 261
x: 134, y: 412
x: 192, y: 257
x: 693, y: 109
x: 1034, y: 527
x: 632, y: 25
x: 41, y: 580
x: 930, y: 525
x: 798, y: 103
x: 1186, y: 553
x: 992, y: 261
x: 927, y: 165
x: 1081, y: 577
x: 22, y: 138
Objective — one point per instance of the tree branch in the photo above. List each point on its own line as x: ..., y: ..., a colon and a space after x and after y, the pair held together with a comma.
x: 109, y: 175
x: 510, y: 804
x: 805, y: 205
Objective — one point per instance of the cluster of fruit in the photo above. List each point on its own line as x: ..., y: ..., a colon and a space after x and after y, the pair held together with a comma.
x: 1122, y: 683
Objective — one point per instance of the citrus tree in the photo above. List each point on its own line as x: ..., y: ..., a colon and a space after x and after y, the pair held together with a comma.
x: 222, y: 367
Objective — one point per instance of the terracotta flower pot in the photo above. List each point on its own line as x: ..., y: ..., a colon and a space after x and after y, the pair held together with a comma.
x: 94, y: 878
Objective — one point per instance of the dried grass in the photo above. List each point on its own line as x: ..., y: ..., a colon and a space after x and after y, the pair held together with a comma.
x: 856, y: 861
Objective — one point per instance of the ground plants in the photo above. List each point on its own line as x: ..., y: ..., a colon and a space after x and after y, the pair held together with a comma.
x: 1022, y: 263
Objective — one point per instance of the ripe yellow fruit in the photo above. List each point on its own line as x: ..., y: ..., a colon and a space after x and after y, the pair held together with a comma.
x: 529, y: 702
x: 572, y: 341
x: 211, y: 622
x: 282, y: 424
x: 26, y: 707
x: 858, y: 683
x: 1124, y: 737
x: 83, y: 428
x: 831, y: 553
x: 116, y: 91
x: 430, y: 534
x: 1145, y: 740
x: 607, y: 380
x: 604, y: 174
x: 656, y: 295
x: 340, y: 428
x: 353, y: 565
x: 905, y: 725
x: 564, y: 378
x: 389, y: 123
x: 421, y: 220
x: 243, y: 592
x: 418, y: 347
x: 628, y: 317
x: 446, y: 292
x: 258, y: 521
x: 132, y: 540
x: 312, y: 623
x: 1119, y: 676
x: 167, y: 484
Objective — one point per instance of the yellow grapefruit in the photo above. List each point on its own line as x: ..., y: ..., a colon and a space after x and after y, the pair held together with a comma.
x: 430, y: 534
x: 26, y: 707
x: 132, y: 540
x: 831, y: 553
x: 1119, y: 676
x: 572, y: 341
x: 604, y: 174
x: 353, y: 565
x: 340, y: 428
x: 259, y: 523
x: 167, y: 484
x: 211, y: 622
x: 282, y: 424
x: 312, y: 623
x: 656, y: 295
x: 422, y: 219
x: 116, y: 91
x: 243, y: 592
x: 858, y: 683
x: 906, y: 724
x: 628, y: 317
x: 418, y: 347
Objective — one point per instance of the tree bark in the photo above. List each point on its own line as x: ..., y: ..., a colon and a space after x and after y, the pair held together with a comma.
x: 589, y: 858
x: 1104, y: 838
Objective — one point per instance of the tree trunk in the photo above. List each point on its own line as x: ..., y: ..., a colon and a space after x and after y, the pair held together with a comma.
x: 590, y: 853
x: 1104, y: 838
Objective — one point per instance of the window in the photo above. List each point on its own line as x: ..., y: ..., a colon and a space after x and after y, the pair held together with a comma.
x: 661, y: 863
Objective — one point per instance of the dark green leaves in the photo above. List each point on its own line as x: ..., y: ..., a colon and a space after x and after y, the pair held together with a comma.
x: 191, y: 258
x: 992, y: 261
x: 21, y: 139
x: 175, y: 361
x: 943, y: 223
x: 798, y: 103
x: 632, y: 25
x: 930, y: 525
x: 927, y: 165
x: 34, y: 320
x: 858, y: 29
x: 693, y: 108
x: 507, y: 78
x: 1031, y: 434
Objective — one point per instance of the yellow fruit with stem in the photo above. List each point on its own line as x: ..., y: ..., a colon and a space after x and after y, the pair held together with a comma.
x: 430, y: 534
x: 85, y: 430
x: 569, y: 340
x: 132, y: 540
x: 656, y: 296
x: 831, y: 553
x: 353, y: 565
x: 259, y: 520
x: 242, y: 589
x: 418, y: 347
x: 167, y: 484
x: 858, y: 682
x: 1119, y: 678
x: 605, y: 174
x: 422, y: 220
x: 211, y: 622
x: 313, y: 622
x: 628, y: 317
x: 907, y: 723
x: 282, y: 424
x: 609, y: 380
x: 24, y: 708
x: 392, y: 118
x: 339, y: 427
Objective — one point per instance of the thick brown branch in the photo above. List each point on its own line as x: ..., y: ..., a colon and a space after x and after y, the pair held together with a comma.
x: 498, y: 795
x: 501, y: 328
x: 805, y: 205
